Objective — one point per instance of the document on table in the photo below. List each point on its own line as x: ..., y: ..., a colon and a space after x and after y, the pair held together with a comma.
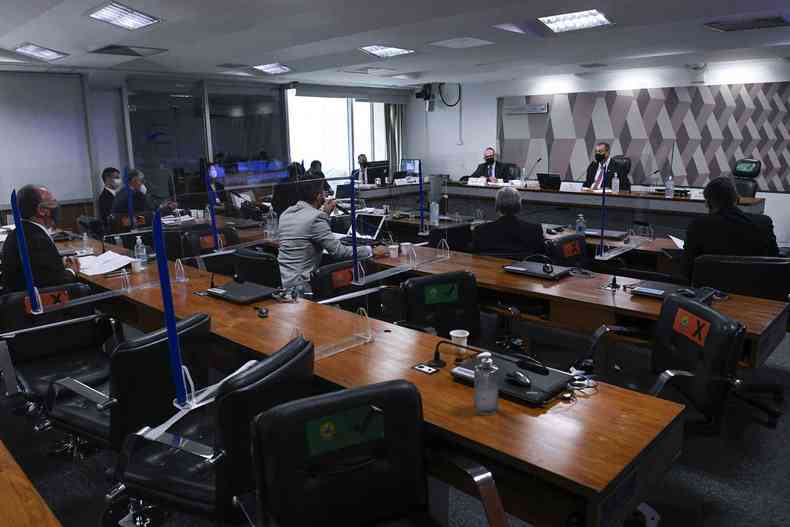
x: 103, y: 264
x: 680, y: 243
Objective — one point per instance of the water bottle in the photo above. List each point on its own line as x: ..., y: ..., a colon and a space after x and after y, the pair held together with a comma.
x: 615, y: 183
x: 669, y: 191
x: 85, y: 243
x: 118, y: 241
x: 581, y: 225
x: 486, y: 386
x: 434, y: 213
x: 140, y: 252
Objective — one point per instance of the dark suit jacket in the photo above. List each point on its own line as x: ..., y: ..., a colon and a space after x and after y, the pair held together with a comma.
x: 106, y: 200
x: 502, y: 171
x: 45, y: 261
x: 509, y: 235
x: 592, y: 171
x: 140, y: 202
x: 370, y: 179
x: 729, y: 232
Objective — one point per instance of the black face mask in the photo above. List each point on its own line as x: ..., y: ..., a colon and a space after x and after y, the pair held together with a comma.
x: 600, y: 157
x: 490, y: 160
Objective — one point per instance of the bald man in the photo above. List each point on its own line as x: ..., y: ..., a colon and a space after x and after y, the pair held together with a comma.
x: 490, y: 168
x: 39, y: 211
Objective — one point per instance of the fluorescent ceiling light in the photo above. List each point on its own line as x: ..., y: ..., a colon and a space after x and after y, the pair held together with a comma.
x: 39, y: 52
x: 575, y: 21
x: 462, y: 43
x: 180, y: 96
x: 274, y: 68
x: 513, y: 28
x: 122, y: 16
x: 385, y: 52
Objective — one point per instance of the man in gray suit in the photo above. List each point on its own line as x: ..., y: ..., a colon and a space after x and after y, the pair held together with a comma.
x: 305, y: 234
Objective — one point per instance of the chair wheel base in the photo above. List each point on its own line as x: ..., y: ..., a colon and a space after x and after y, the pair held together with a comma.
x: 131, y: 512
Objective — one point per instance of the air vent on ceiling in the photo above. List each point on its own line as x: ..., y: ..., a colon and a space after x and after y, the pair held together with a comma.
x: 129, y: 51
x: 373, y: 71
x: 743, y: 24
x: 593, y: 65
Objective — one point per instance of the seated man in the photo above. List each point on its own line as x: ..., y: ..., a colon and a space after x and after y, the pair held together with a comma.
x: 508, y: 234
x: 315, y: 172
x: 111, y: 178
x: 141, y: 201
x: 305, y: 234
x: 39, y: 211
x: 601, y: 171
x: 491, y: 169
x: 727, y: 230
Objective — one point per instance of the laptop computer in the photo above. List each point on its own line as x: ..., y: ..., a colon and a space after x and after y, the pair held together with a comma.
x: 607, y: 233
x: 543, y: 389
x: 241, y: 292
x: 661, y: 289
x: 549, y: 181
x: 537, y: 270
x: 368, y: 229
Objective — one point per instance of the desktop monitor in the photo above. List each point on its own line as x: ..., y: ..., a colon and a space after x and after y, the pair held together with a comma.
x: 412, y: 167
x: 378, y: 170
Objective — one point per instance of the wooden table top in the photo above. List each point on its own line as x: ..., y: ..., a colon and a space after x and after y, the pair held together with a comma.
x: 582, y: 446
x: 755, y: 313
x: 653, y: 246
x: 20, y: 503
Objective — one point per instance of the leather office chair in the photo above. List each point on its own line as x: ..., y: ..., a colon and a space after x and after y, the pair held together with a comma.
x: 763, y: 277
x: 459, y: 238
x: 568, y: 251
x: 746, y: 188
x: 201, y: 241
x: 257, y: 266
x: 46, y: 354
x: 119, y: 222
x: 139, y: 390
x: 695, y: 351
x: 306, y: 476
x: 441, y: 303
x: 745, y: 172
x: 204, y: 460
x: 334, y: 279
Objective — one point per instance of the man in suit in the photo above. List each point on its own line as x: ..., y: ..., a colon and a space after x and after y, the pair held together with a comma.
x: 315, y: 172
x: 141, y: 201
x: 39, y: 211
x: 490, y: 168
x: 601, y: 171
x: 111, y: 177
x: 360, y: 175
x: 727, y: 230
x: 508, y: 234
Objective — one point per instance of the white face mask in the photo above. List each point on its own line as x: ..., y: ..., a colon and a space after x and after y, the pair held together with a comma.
x: 115, y: 183
x: 143, y: 189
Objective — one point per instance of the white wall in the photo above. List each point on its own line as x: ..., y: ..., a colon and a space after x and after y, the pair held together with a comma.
x: 106, y: 121
x: 434, y: 136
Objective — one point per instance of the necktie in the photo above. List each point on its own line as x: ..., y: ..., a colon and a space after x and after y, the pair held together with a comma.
x: 491, y: 170
x: 599, y: 177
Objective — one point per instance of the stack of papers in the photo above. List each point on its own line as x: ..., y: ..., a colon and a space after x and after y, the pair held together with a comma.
x: 103, y: 264
x: 680, y: 243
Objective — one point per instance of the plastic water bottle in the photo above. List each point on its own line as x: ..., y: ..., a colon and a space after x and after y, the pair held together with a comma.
x: 615, y: 183
x: 140, y: 252
x: 85, y: 243
x: 581, y: 224
x: 486, y: 386
x: 669, y: 191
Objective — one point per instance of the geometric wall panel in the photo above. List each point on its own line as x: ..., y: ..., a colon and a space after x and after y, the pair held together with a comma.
x: 698, y: 131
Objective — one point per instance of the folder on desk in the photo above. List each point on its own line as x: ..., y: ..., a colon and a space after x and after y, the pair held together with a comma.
x: 537, y: 270
x: 241, y: 292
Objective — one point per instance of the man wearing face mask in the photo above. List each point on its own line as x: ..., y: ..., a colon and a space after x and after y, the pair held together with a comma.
x: 111, y: 177
x: 39, y: 211
x: 361, y: 175
x: 491, y: 169
x: 601, y: 171
x: 141, y: 201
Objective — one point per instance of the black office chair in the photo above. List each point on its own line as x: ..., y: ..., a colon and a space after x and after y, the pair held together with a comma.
x: 458, y: 238
x: 441, y: 303
x: 568, y: 251
x: 352, y: 458
x: 119, y: 222
x: 139, y: 390
x: 93, y: 226
x: 744, y: 174
x: 696, y: 350
x: 43, y: 354
x: 257, y: 266
x: 201, y: 242
x: 622, y: 165
x: 763, y: 277
x: 204, y: 460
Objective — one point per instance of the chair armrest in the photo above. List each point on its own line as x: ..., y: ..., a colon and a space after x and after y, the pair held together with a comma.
x: 101, y: 400
x: 665, y: 377
x: 425, y: 328
x: 605, y: 331
x: 54, y: 325
x: 183, y: 444
x: 483, y: 480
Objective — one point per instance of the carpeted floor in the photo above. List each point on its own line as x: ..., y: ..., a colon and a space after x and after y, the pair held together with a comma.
x: 739, y: 478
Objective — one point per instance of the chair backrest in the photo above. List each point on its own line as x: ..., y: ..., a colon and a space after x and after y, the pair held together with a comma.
x: 458, y: 238
x: 694, y: 337
x: 119, y: 222
x: 746, y: 188
x: 747, y: 168
x: 760, y: 276
x: 284, y: 376
x: 141, y: 378
x: 569, y: 250
x: 622, y: 164
x: 15, y: 314
x: 354, y: 456
x: 445, y: 302
x: 333, y: 279
x: 258, y: 267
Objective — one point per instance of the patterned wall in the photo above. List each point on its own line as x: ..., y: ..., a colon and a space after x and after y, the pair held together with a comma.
x: 699, y: 131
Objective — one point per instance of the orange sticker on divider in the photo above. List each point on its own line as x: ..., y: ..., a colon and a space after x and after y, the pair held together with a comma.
x: 694, y: 328
x: 342, y: 278
x: 48, y: 299
x: 572, y: 249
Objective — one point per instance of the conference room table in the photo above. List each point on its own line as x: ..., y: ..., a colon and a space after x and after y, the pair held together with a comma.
x: 598, y: 455
x: 581, y: 303
x: 20, y: 503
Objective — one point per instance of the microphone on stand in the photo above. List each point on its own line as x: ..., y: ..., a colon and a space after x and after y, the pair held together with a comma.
x: 535, y: 164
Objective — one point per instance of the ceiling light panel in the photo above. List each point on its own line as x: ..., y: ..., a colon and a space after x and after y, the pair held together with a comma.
x: 575, y: 21
x: 385, y: 52
x: 40, y: 52
x: 462, y: 43
x: 274, y: 68
x: 122, y: 16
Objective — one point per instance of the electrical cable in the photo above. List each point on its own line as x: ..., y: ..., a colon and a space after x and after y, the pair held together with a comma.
x: 441, y: 96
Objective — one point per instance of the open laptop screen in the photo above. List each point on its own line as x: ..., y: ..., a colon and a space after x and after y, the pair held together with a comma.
x: 368, y: 225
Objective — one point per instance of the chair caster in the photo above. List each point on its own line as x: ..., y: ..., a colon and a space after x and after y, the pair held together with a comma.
x: 74, y: 446
x: 132, y: 512
x: 43, y: 426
